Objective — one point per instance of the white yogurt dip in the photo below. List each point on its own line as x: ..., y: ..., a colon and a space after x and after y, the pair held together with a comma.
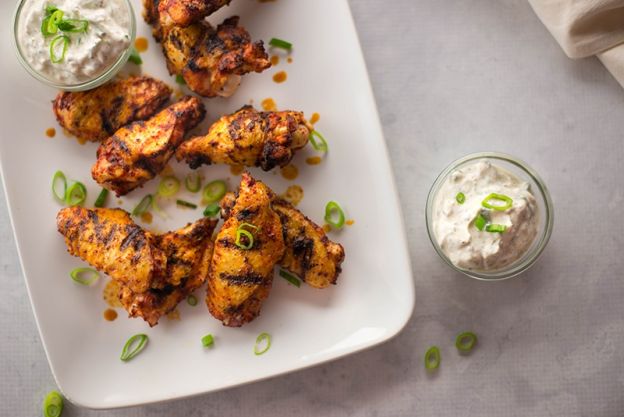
x: 461, y: 229
x: 88, y: 54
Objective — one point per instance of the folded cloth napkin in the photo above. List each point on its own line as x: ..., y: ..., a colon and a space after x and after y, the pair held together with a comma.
x: 587, y: 27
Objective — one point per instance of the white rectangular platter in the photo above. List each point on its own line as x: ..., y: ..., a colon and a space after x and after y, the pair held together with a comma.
x: 374, y: 296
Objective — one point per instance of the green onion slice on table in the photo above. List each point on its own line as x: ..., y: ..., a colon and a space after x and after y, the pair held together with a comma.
x: 168, y: 186
x: 193, y: 181
x: 280, y: 43
x: 318, y: 141
x: 214, y: 191
x: 212, y: 210
x: 53, y: 404
x: 432, y: 358
x: 207, y: 340
x: 246, y: 234
x: 84, y: 276
x: 76, y: 194
x: 144, y: 205
x: 464, y: 342
x: 58, y: 48
x: 263, y: 343
x: 334, y: 215
x: 101, y: 199
x: 59, y: 180
x: 186, y: 204
x: 133, y: 347
x: 498, y: 202
x: 290, y: 278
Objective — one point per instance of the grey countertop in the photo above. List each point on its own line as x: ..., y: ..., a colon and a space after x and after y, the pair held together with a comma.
x: 450, y: 78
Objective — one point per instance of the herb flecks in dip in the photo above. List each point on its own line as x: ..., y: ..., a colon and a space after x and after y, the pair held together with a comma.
x: 484, y: 217
x: 89, y: 49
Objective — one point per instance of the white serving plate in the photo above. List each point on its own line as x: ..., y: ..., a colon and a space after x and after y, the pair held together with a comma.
x: 371, y: 303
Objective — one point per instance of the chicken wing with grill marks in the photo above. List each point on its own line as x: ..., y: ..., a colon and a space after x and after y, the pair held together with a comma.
x: 240, y: 279
x: 138, y: 152
x: 154, y: 272
x: 249, y: 138
x: 309, y: 253
x: 96, y: 114
x: 185, y: 12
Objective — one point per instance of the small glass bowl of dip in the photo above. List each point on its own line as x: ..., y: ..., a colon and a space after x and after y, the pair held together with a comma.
x: 545, y: 213
x: 99, y: 78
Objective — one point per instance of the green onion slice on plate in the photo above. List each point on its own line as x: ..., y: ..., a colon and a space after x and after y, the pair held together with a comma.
x: 318, y: 141
x: 212, y: 210
x: 498, y: 202
x: 101, y: 199
x: 135, y: 58
x: 58, y: 48
x: 432, y: 358
x: 76, y: 194
x: 180, y: 79
x: 133, y: 347
x: 168, y: 186
x: 53, y: 404
x: 193, y: 181
x: 464, y: 342
x: 59, y: 180
x: 214, y: 191
x: 263, y: 339
x: 290, y: 278
x: 186, y: 204
x: 242, y: 233
x: 207, y: 340
x: 280, y: 43
x: 191, y: 300
x: 144, y: 205
x: 84, y: 276
x: 334, y: 215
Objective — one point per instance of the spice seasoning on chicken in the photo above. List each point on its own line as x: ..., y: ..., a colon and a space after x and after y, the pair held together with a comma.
x: 111, y: 294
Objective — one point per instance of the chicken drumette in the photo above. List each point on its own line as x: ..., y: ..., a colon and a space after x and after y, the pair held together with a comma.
x: 154, y: 272
x: 249, y: 138
x: 138, y: 152
x: 185, y: 12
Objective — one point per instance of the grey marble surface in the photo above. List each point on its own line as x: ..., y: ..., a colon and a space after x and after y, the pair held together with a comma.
x: 450, y: 77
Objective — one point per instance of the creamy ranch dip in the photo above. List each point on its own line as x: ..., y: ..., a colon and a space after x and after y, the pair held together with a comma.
x: 461, y: 229
x: 88, y: 54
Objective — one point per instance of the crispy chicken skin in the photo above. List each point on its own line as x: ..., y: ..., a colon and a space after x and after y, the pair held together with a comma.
x: 249, y: 138
x: 239, y: 279
x: 309, y: 253
x: 185, y: 12
x: 96, y: 114
x: 138, y: 152
x: 154, y: 272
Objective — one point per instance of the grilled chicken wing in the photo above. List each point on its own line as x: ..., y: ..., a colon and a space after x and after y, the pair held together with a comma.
x: 138, y: 152
x: 309, y: 253
x: 96, y: 114
x: 185, y: 12
x: 240, y: 279
x: 154, y: 272
x: 249, y: 138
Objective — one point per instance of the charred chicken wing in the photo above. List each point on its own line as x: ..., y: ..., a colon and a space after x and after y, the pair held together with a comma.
x: 241, y: 272
x: 249, y: 138
x: 138, y: 152
x: 96, y: 114
x: 154, y: 272
x: 185, y: 12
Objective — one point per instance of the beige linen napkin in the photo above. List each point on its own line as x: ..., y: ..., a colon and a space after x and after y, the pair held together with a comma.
x: 587, y: 27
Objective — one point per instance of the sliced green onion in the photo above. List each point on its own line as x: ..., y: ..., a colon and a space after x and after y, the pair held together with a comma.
x: 53, y: 404
x: 280, y: 43
x: 133, y: 347
x: 250, y: 239
x: 50, y: 23
x: 49, y: 9
x: 290, y: 278
x: 168, y: 186
x: 207, y: 340
x: 480, y: 222
x: 432, y: 358
x: 321, y: 145
x: 143, y: 206
x: 333, y: 209
x: 76, y: 194
x: 183, y: 203
x: 59, y: 179
x: 487, y: 202
x: 263, y: 338
x: 180, y: 79
x: 461, y: 198
x: 73, y: 25
x: 157, y: 209
x: 54, y: 57
x: 101, y: 200
x: 495, y: 228
x: 212, y: 210
x: 464, y: 342
x: 214, y: 191
x: 191, y: 300
x: 193, y: 181
x: 135, y: 58
x: 84, y: 276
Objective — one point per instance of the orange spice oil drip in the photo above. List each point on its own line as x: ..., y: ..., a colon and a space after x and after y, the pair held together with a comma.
x: 290, y: 172
x: 50, y: 132
x: 280, y: 77
x: 141, y: 44
x: 110, y: 314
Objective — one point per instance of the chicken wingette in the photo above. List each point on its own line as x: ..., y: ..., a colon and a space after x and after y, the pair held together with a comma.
x: 138, y: 152
x: 96, y: 114
x: 249, y: 138
x: 309, y: 253
x: 185, y: 12
x: 247, y: 248
x: 154, y: 272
